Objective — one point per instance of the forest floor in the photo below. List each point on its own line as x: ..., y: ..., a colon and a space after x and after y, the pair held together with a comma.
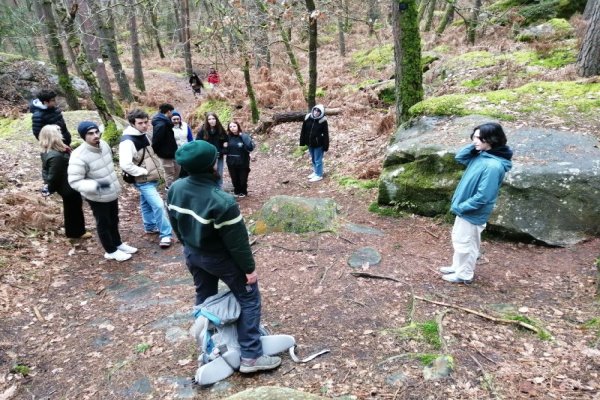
x: 76, y: 326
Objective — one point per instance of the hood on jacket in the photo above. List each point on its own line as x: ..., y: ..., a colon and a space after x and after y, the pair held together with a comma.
x: 130, y: 130
x: 501, y: 153
x: 37, y: 104
x: 320, y: 108
x: 160, y: 118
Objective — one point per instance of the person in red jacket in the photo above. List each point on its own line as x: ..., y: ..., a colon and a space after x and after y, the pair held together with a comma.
x: 213, y: 77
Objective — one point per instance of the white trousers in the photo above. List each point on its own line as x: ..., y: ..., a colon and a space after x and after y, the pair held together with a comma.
x: 466, y: 239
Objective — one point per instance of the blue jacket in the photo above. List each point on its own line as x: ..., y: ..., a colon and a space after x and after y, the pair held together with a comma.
x: 477, y: 191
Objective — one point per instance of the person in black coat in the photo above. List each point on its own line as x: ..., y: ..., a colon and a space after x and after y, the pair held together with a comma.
x: 164, y: 143
x: 45, y: 112
x: 315, y: 135
x: 213, y: 132
x: 239, y: 146
x: 55, y: 162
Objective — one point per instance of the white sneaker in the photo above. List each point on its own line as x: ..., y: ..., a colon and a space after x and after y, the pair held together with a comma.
x: 311, y: 176
x: 125, y: 248
x: 447, y: 270
x: 117, y: 255
x: 316, y: 178
x: 165, y: 242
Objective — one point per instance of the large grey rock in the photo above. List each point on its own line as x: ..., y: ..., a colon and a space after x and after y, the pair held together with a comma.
x: 273, y: 393
x: 296, y: 215
x: 550, y: 195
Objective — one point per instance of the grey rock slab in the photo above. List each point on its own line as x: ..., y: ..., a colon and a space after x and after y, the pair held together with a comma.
x: 137, y: 305
x: 176, y: 334
x: 363, y: 229
x: 273, y: 393
x: 221, y: 387
x: 175, y: 319
x: 397, y: 379
x: 139, y: 387
x: 184, y: 387
x: 440, y: 368
x: 364, y: 255
x: 296, y: 215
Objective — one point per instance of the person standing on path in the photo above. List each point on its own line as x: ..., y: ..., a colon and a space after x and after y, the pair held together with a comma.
x: 137, y: 158
x: 55, y: 162
x: 487, y: 159
x: 215, y: 244
x: 92, y: 173
x: 239, y: 146
x: 315, y: 135
x: 45, y: 112
x: 163, y: 142
x: 213, y: 132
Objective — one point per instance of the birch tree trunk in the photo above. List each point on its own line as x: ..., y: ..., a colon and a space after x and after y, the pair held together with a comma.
x: 312, y: 54
x: 588, y: 60
x: 407, y: 55
x: 64, y: 79
x: 136, y: 56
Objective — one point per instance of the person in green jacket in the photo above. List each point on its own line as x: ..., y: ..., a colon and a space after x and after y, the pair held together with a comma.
x: 208, y: 222
x: 55, y: 162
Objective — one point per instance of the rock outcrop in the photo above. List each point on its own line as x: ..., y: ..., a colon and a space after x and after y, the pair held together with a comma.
x: 551, y: 194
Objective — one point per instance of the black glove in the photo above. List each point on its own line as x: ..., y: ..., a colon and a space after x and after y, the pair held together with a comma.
x: 103, y: 185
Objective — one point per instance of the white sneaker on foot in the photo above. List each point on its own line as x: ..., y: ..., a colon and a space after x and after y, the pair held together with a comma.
x: 165, y: 242
x: 125, y: 248
x: 447, y: 270
x: 311, y: 176
x: 117, y: 255
x: 316, y: 178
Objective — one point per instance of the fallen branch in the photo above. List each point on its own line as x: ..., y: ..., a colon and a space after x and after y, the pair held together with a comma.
x: 288, y: 249
x: 411, y: 306
x: 347, y: 240
x: 374, y: 276
x: 291, y: 116
x: 431, y: 233
x: 324, y: 273
x: 38, y: 314
x: 482, y: 315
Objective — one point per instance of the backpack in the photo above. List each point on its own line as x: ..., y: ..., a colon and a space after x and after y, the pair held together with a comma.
x: 215, y: 332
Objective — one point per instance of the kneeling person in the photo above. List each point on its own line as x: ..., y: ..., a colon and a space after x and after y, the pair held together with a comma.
x: 209, y: 224
x: 137, y: 158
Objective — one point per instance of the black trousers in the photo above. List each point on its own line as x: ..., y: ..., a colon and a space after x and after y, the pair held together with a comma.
x: 107, y: 224
x: 239, y: 179
x: 73, y: 214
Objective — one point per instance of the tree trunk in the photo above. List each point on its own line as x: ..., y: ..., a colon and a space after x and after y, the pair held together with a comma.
x: 179, y: 19
x: 259, y: 35
x: 588, y: 60
x: 155, y: 32
x: 187, y: 49
x: 422, y: 8
x: 473, y: 22
x: 136, y: 56
x: 312, y: 54
x: 589, y: 6
x: 68, y: 27
x: 250, y: 90
x: 289, y: 116
x: 430, y: 12
x: 109, y: 44
x: 92, y: 43
x: 448, y: 15
x: 64, y: 80
x: 290, y: 52
x: 346, y: 7
x: 341, y: 38
x: 373, y: 14
x: 407, y: 55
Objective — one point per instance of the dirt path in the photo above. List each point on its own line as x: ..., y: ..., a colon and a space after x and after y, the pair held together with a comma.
x: 89, y: 328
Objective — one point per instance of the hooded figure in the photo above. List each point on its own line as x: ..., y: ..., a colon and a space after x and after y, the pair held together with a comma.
x: 182, y: 131
x: 315, y: 135
x: 45, y: 112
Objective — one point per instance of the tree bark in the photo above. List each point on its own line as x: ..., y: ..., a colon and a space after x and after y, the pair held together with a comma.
x: 155, y: 32
x: 589, y: 6
x: 290, y: 53
x: 448, y: 15
x: 373, y: 14
x: 422, y: 8
x: 430, y: 12
x: 250, y: 90
x: 179, y: 19
x: 588, y: 60
x: 136, y: 56
x: 109, y: 44
x: 407, y: 55
x: 259, y: 34
x: 312, y: 54
x: 473, y: 22
x: 341, y: 38
x: 64, y: 80
x: 289, y: 116
x: 187, y: 49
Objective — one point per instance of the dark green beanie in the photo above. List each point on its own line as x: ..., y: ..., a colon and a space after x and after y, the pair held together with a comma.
x: 197, y: 156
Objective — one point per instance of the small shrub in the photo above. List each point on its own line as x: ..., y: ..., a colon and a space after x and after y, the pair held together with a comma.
x: 299, y: 151
x: 20, y: 369
x: 264, y: 148
x: 141, y: 348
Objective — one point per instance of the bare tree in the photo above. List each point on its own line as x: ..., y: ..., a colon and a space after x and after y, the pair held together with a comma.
x: 430, y: 13
x: 373, y: 14
x: 447, y: 18
x: 150, y: 9
x: 473, y: 22
x: 185, y: 29
x: 312, y: 53
x: 588, y: 60
x: 136, y: 56
x: 407, y: 55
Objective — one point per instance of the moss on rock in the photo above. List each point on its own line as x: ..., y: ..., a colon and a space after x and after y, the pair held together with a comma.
x: 219, y: 107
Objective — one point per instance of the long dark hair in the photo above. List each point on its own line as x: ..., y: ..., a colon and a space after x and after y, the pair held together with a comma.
x: 222, y: 134
x: 239, y: 132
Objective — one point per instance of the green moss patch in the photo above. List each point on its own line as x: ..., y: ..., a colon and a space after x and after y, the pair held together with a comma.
x: 349, y: 182
x: 543, y: 334
x: 427, y: 332
x: 561, y: 99
x: 378, y: 58
x: 219, y: 107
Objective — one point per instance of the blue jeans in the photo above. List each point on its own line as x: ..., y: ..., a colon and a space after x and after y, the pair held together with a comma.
x: 220, y: 168
x: 207, y: 269
x: 153, y: 210
x: 316, y: 155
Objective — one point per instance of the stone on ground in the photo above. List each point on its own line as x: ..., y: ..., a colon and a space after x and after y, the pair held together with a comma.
x: 273, y: 393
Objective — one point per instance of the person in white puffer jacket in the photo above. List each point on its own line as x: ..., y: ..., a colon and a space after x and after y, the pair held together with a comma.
x: 91, y: 172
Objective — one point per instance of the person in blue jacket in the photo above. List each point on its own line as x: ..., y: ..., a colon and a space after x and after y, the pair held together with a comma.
x: 487, y: 158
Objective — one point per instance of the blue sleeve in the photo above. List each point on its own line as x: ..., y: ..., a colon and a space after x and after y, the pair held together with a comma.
x: 248, y: 142
x: 466, y: 154
x: 190, y: 137
x: 487, y: 191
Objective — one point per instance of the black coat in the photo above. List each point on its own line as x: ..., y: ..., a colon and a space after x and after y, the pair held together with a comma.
x: 54, y: 172
x: 238, y: 151
x: 213, y: 137
x: 48, y: 116
x: 315, y: 133
x: 163, y: 138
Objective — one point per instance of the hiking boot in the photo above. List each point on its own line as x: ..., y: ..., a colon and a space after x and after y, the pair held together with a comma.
x: 125, y: 248
x: 453, y: 278
x: 447, y: 270
x: 117, y: 255
x: 316, y: 178
x: 262, y: 363
x: 165, y: 242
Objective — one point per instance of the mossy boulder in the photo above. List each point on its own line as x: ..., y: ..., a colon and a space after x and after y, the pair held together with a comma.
x: 219, y: 107
x: 550, y: 195
x: 273, y: 393
x: 554, y: 29
x: 296, y: 215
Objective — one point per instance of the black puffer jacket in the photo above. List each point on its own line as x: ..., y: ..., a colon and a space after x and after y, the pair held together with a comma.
x: 54, y: 172
x: 213, y: 137
x: 315, y: 132
x: 43, y: 116
x: 238, y: 151
x: 163, y: 138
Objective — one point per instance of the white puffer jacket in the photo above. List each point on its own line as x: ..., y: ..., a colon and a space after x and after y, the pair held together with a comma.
x: 91, y: 166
